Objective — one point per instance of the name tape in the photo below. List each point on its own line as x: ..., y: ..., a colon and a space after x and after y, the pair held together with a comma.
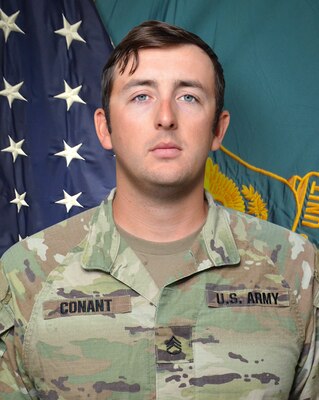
x: 87, y: 306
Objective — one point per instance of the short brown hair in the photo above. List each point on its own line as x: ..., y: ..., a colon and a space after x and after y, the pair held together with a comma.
x: 156, y: 34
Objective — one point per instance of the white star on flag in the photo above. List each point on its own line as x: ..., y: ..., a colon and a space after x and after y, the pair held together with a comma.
x: 70, y: 31
x: 70, y: 201
x: 12, y: 92
x: 7, y: 24
x: 19, y: 200
x: 70, y: 153
x: 15, y: 148
x: 70, y: 95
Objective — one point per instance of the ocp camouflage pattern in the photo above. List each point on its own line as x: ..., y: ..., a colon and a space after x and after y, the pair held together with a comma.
x: 81, y: 317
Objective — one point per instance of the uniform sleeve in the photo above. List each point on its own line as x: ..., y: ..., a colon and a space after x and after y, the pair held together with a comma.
x: 309, y: 374
x: 11, y: 385
x: 311, y: 388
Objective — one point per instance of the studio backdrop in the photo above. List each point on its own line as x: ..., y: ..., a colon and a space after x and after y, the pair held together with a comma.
x: 51, y: 57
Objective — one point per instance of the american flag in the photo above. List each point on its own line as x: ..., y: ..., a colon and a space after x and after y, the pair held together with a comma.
x: 51, y: 163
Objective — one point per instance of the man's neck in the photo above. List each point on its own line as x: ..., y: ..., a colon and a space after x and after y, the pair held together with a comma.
x: 157, y: 219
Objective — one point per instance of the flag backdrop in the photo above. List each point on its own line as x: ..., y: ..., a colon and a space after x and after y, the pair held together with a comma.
x: 51, y: 56
x: 51, y: 163
x: 269, y: 166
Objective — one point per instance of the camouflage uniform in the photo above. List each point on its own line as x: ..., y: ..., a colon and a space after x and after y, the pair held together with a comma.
x: 81, y: 318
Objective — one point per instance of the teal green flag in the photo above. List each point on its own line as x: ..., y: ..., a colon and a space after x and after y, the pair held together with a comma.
x: 269, y: 51
x: 292, y: 203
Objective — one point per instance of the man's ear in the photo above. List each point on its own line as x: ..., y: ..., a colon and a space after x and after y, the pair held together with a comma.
x: 102, y: 129
x: 220, y: 130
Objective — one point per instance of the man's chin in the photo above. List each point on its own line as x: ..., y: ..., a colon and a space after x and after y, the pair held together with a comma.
x: 169, y: 189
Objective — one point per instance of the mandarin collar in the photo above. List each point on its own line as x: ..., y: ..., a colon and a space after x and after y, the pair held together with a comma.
x: 103, y: 240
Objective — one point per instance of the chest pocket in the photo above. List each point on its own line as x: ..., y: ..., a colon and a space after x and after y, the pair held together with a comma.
x: 98, y: 339
x: 250, y: 314
x: 227, y: 343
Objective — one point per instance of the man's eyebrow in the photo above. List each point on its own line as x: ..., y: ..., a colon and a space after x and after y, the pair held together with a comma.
x: 139, y: 82
x: 152, y: 83
x: 189, y: 83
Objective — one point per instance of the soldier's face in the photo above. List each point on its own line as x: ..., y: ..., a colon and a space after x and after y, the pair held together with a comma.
x: 162, y: 118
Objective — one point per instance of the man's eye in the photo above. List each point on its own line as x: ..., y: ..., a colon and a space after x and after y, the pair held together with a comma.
x: 141, y: 97
x: 188, y: 98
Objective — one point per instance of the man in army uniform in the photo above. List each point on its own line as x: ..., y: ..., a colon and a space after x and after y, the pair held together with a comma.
x: 158, y: 293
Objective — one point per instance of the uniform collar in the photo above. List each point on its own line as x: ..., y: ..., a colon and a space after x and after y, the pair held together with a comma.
x: 105, y: 250
x: 217, y: 236
x: 103, y: 240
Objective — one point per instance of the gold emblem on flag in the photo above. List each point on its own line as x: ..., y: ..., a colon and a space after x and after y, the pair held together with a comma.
x: 304, y: 190
x: 225, y: 191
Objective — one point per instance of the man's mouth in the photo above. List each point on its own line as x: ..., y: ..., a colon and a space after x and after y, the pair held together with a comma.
x: 166, y: 150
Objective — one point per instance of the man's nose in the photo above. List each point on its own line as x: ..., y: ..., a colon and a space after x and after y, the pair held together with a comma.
x: 166, y: 117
